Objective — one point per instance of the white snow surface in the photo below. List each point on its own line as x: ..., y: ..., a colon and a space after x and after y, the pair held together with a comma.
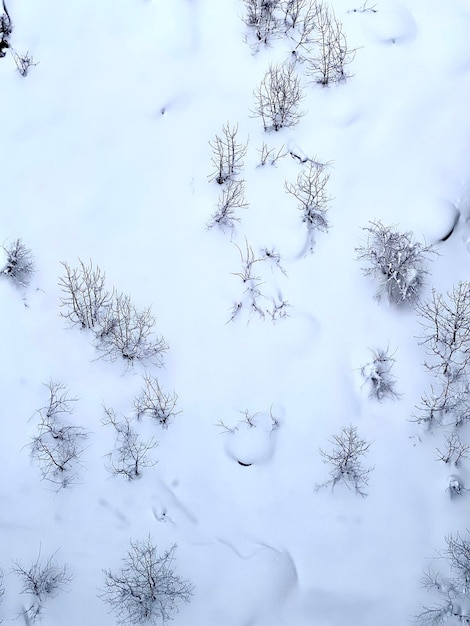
x: 105, y: 156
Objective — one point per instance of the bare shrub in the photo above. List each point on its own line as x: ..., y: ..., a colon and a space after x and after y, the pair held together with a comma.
x: 445, y: 320
x: 6, y: 29
x: 345, y: 461
x: 85, y: 297
x: 153, y: 402
x: 128, y: 333
x: 58, y: 445
x: 131, y: 453
x: 262, y: 19
x: 278, y: 98
x: 396, y: 263
x: 232, y: 198
x: 23, y: 63
x: 19, y: 266
x: 43, y: 579
x: 331, y: 55
x: 378, y: 374
x: 455, y: 450
x: 146, y: 590
x: 228, y: 155
x: 451, y: 588
x: 271, y: 155
x: 312, y: 199
x: 300, y: 21
x: 254, y: 296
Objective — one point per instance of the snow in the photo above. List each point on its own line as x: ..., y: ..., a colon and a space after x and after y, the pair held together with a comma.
x: 106, y: 156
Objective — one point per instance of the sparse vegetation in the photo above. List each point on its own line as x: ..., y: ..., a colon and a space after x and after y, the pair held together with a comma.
x: 146, y: 590
x: 19, y: 266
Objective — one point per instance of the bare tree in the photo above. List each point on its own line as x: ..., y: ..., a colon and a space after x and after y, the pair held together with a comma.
x: 58, y: 446
x: 6, y: 29
x: 228, y: 155
x: 19, y: 266
x: 446, y: 324
x: 300, y: 20
x: 85, y: 297
x: 312, y: 199
x: 253, y: 296
x: 395, y: 261
x: 131, y: 453
x: 23, y: 62
x: 455, y: 450
x: 278, y: 98
x: 452, y: 589
x: 128, y: 333
x: 262, y: 19
x: 232, y: 198
x: 345, y: 461
x: 271, y: 155
x: 331, y: 55
x: 146, y: 590
x: 153, y: 402
x: 43, y: 579
x: 378, y: 374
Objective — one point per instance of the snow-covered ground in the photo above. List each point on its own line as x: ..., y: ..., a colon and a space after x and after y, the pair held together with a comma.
x: 106, y: 157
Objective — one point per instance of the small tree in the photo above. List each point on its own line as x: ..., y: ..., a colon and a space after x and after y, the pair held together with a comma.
x: 153, y: 402
x: 130, y: 454
x: 278, y: 98
x: 378, y: 374
x: 395, y: 261
x: 6, y: 29
x: 43, y: 579
x: 146, y: 590
x: 262, y: 19
x: 231, y: 199
x: 128, y: 333
x: 85, y: 297
x: 58, y: 445
x: 19, y: 266
x: 345, y: 461
x: 228, y: 155
x: 331, y: 54
x: 312, y: 199
x: 451, y: 588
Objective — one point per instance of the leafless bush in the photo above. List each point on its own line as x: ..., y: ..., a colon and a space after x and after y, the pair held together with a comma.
x: 253, y: 297
x: 345, y: 461
x: 43, y: 579
x: 23, y: 62
x: 6, y: 29
x: 228, y: 155
x: 312, y: 199
x: 278, y: 98
x: 300, y: 20
x: 271, y: 155
x: 445, y: 320
x: 130, y: 454
x: 451, y: 588
x: 19, y: 266
x: 146, y: 590
x: 378, y: 374
x: 232, y: 198
x: 155, y: 403
x: 455, y: 450
x: 58, y: 445
x: 446, y: 324
x: 262, y: 19
x: 85, y: 297
x: 331, y: 55
x: 395, y: 261
x: 128, y: 333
